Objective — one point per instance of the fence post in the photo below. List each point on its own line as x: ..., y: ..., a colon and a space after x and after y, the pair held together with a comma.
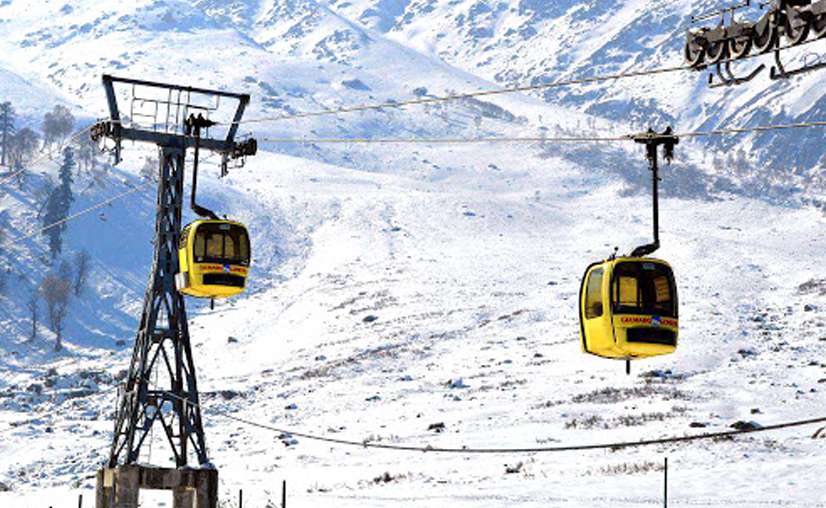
x: 284, y: 494
x: 665, y: 484
x: 240, y: 498
x: 80, y: 501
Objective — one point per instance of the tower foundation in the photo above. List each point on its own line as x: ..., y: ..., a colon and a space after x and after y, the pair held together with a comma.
x: 120, y: 487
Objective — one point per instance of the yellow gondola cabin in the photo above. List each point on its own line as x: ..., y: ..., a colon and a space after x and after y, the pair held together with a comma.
x: 629, y: 309
x: 214, y: 257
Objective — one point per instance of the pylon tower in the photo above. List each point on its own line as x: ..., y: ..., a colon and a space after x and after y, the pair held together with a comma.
x: 161, y: 390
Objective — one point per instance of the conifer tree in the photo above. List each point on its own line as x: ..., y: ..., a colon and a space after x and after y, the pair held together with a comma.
x: 59, y: 203
x: 7, y: 118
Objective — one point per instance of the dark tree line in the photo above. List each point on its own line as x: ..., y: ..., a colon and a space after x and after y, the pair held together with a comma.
x: 18, y: 146
x: 68, y: 280
x: 48, y: 301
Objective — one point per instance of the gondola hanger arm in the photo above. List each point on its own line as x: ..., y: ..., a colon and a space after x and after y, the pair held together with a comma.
x: 653, y: 141
x: 193, y: 126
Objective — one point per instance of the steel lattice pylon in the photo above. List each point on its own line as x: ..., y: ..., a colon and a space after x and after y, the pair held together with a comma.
x: 162, y: 342
x: 162, y: 347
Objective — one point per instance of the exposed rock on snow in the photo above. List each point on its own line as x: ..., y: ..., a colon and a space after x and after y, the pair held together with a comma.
x: 456, y: 384
x: 436, y: 427
x: 743, y: 425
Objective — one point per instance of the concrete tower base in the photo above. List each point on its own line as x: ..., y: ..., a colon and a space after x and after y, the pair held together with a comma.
x: 192, y: 488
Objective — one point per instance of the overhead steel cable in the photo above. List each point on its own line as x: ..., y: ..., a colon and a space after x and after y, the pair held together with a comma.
x: 92, y: 208
x: 505, y: 451
x: 581, y: 139
x: 504, y: 91
x: 487, y: 93
x: 444, y: 141
x: 747, y: 130
x: 83, y: 212
x: 534, y: 139
x: 464, y: 96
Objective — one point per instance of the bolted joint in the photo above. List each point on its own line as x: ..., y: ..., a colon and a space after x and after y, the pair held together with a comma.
x: 653, y: 140
x: 102, y: 130
x: 194, y: 124
x: 247, y: 148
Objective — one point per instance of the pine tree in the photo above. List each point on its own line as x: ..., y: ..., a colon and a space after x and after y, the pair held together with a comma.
x: 81, y: 275
x: 33, y: 304
x: 59, y: 203
x: 7, y: 117
x: 18, y: 170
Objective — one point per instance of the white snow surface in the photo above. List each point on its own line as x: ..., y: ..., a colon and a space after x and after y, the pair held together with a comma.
x: 465, y: 259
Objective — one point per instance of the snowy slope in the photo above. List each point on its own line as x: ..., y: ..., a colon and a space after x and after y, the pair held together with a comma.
x: 475, y: 277
x: 385, y: 275
x: 31, y: 100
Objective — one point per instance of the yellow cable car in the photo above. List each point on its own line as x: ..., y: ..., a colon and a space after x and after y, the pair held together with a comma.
x: 628, y: 305
x: 628, y: 308
x: 214, y: 257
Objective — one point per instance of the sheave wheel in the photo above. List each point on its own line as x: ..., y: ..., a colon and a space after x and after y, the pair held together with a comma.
x: 694, y: 54
x: 739, y: 47
x: 716, y: 51
x: 819, y: 26
x: 797, y: 29
x: 765, y: 37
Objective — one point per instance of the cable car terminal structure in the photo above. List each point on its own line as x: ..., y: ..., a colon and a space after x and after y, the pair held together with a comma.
x: 162, y: 343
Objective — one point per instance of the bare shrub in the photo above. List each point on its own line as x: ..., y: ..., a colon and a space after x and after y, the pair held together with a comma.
x: 611, y: 395
x: 56, y: 290
x: 630, y: 468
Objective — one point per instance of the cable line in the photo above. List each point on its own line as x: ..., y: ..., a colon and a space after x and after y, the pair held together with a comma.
x: 579, y: 139
x: 758, y: 128
x: 83, y: 212
x: 444, y: 141
x: 481, y: 451
x: 539, y: 139
x: 534, y: 139
x: 503, y: 91
x: 468, y: 95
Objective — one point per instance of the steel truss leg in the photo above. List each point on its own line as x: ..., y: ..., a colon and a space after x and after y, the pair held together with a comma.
x: 162, y: 346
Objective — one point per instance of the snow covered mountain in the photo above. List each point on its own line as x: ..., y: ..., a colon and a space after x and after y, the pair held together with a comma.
x: 399, y: 287
x: 536, y: 42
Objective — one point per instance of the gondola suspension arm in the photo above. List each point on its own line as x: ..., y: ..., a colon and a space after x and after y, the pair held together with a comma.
x: 652, y: 141
x: 194, y: 124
